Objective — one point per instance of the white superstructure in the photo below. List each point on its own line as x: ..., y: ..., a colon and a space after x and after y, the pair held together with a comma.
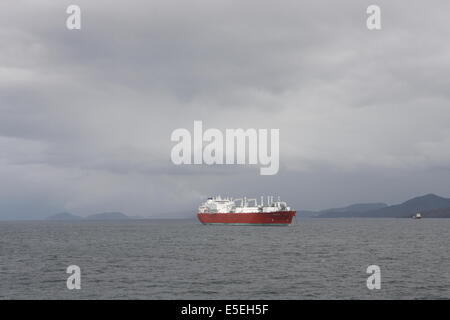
x: 241, y: 205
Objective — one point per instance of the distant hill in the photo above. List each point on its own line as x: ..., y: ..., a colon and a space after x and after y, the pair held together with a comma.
x: 408, y: 208
x: 64, y: 216
x: 108, y: 216
x: 437, y: 213
x: 404, y: 210
x: 344, y: 211
x: 308, y: 214
x: 358, y: 207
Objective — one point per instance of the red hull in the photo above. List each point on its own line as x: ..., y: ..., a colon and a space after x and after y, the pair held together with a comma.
x: 262, y: 218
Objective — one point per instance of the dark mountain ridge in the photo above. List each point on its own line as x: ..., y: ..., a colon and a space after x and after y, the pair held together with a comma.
x: 66, y: 216
x: 422, y: 204
x: 108, y: 216
x: 358, y: 207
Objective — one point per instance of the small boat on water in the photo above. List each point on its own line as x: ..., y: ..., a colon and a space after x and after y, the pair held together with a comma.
x: 417, y: 216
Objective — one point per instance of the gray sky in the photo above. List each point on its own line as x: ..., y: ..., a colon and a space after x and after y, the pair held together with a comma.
x: 86, y: 116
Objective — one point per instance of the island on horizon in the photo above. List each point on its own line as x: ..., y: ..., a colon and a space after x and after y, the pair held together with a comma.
x: 429, y: 205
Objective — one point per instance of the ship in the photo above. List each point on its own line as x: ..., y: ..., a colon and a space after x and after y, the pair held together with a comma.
x: 244, y: 211
x: 417, y: 216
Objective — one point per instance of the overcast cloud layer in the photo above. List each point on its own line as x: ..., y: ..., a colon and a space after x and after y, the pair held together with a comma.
x: 86, y: 116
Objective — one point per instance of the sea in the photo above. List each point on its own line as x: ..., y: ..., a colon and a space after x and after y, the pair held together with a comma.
x: 182, y: 259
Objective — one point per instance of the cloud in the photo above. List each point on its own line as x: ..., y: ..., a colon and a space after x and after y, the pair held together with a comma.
x: 86, y: 116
